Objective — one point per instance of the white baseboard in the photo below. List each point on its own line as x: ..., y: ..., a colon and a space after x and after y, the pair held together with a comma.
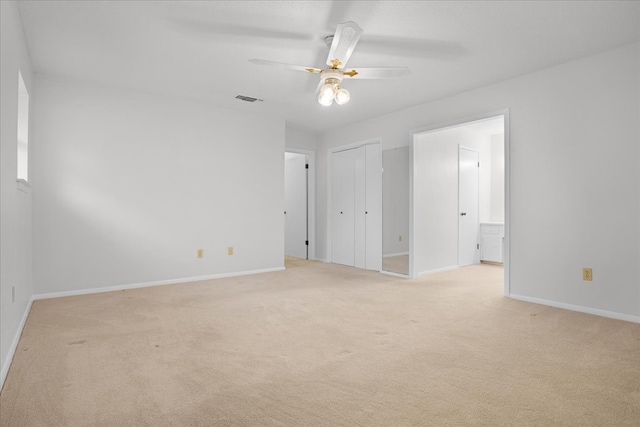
x: 14, y: 345
x: 149, y: 284
x: 398, y: 254
x: 579, y: 308
x: 438, y: 270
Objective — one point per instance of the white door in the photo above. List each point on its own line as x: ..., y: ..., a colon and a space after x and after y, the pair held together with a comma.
x: 360, y: 194
x: 468, y: 204
x: 295, y: 205
x: 342, y: 207
x: 373, y: 208
x: 356, y: 215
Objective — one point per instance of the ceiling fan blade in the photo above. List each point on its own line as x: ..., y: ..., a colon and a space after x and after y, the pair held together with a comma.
x: 376, y: 73
x: 344, y: 41
x: 287, y: 66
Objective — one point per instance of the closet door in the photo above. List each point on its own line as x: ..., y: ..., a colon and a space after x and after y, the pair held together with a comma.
x: 373, y: 208
x: 343, y: 203
x: 360, y: 199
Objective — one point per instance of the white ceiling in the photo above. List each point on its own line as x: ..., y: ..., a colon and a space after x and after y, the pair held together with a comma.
x: 199, y: 50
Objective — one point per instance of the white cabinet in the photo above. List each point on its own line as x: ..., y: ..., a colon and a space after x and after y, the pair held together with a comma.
x: 491, y: 241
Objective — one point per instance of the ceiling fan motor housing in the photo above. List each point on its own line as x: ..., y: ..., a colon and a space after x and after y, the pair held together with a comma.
x: 331, y: 73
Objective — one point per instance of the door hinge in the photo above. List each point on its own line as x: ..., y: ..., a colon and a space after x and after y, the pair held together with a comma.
x: 306, y: 166
x: 478, y: 246
x: 306, y: 242
x: 478, y: 164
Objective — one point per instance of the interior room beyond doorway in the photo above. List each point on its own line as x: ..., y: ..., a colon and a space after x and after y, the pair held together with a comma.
x: 296, y: 215
x: 445, y: 238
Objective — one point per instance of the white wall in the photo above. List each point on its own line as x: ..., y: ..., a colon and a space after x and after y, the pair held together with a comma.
x: 483, y: 147
x: 575, y: 185
x: 129, y: 186
x: 497, y: 179
x: 300, y: 138
x: 16, y: 205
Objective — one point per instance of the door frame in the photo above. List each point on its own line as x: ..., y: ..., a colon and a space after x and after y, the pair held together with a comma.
x: 460, y: 148
x: 311, y: 199
x: 330, y: 152
x: 505, y: 113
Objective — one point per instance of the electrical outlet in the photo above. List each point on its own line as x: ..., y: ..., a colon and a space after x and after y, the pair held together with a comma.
x: 587, y: 274
x: 230, y: 250
x: 13, y: 294
x: 200, y: 253
x: 400, y: 238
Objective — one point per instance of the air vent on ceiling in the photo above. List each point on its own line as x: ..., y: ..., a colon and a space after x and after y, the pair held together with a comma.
x: 247, y: 98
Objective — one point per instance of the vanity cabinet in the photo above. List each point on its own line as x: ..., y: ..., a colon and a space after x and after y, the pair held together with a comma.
x: 491, y: 241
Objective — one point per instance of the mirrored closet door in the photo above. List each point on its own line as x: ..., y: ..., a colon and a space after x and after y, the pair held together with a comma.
x: 395, y: 210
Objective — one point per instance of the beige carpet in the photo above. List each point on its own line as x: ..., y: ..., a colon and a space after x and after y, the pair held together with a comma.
x: 321, y: 345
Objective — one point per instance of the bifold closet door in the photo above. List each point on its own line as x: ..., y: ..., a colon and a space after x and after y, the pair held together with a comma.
x: 343, y: 203
x: 360, y: 201
x: 373, y: 207
x: 356, y: 217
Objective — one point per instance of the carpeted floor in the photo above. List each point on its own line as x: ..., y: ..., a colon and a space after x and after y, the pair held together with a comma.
x: 321, y: 345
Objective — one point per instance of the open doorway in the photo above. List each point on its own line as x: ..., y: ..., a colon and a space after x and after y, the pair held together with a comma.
x: 299, y: 196
x: 296, y: 239
x: 460, y: 187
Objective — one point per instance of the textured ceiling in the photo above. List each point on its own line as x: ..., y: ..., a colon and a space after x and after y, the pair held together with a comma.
x: 200, y: 50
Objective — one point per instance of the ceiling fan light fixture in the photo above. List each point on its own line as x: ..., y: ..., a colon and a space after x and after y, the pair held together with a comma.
x: 341, y: 45
x: 327, y: 93
x: 326, y: 101
x: 342, y: 96
x: 325, y: 97
x: 328, y: 90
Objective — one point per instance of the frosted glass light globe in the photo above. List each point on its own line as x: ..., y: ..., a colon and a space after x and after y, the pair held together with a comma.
x: 326, y: 95
x: 342, y: 96
x: 328, y: 90
x: 325, y: 100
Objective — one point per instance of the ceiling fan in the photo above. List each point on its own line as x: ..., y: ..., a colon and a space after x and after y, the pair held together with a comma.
x: 342, y: 44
